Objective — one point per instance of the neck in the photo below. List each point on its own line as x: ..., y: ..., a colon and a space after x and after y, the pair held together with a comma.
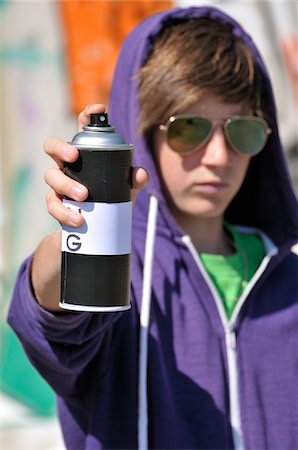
x: 208, y: 234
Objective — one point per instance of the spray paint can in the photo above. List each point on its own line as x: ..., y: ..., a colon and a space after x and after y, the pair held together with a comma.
x: 95, y: 269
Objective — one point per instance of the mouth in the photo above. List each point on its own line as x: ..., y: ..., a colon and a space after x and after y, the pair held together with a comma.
x: 210, y: 186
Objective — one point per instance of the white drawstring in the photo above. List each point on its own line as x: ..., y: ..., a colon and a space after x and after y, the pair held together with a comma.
x: 144, y: 322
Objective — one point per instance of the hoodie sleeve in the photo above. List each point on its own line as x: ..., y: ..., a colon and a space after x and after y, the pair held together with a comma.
x: 61, y: 346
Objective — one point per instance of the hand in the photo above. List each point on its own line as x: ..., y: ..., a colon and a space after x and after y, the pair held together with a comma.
x: 62, y: 185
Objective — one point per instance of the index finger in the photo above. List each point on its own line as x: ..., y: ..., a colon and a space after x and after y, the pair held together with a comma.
x: 84, y: 116
x: 60, y: 151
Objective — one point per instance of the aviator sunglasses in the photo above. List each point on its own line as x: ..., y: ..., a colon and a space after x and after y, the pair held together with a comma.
x: 246, y: 135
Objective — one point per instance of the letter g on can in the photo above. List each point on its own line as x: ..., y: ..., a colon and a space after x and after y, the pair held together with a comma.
x: 73, y: 243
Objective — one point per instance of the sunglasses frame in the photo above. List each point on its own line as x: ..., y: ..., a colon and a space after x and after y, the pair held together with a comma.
x: 224, y: 122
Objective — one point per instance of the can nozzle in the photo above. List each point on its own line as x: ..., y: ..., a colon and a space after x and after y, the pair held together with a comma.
x: 99, y: 120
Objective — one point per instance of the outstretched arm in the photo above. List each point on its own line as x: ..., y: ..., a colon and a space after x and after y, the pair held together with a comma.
x: 46, y: 264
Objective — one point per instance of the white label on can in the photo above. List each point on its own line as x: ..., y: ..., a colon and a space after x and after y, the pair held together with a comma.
x: 105, y: 231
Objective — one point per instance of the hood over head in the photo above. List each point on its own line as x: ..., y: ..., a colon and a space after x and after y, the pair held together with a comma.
x: 266, y: 200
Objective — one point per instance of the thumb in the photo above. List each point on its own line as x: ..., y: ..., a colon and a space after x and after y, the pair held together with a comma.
x: 140, y: 178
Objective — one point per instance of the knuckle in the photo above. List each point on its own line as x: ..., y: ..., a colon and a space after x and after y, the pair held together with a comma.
x: 57, y: 146
x: 48, y: 196
x: 84, y: 113
x: 80, y: 116
x: 66, y: 184
x: 51, y: 208
x: 47, y: 175
x: 48, y: 145
x: 53, y: 148
x: 88, y: 107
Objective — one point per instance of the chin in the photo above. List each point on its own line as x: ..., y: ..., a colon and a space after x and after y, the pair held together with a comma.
x: 198, y: 213
x: 204, y: 209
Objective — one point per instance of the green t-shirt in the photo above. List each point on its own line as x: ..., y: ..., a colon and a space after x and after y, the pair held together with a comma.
x: 230, y: 274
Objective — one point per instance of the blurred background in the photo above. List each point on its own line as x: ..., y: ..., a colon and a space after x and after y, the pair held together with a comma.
x: 55, y: 58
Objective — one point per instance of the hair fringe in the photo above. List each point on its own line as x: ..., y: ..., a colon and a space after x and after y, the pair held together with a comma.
x: 190, y: 58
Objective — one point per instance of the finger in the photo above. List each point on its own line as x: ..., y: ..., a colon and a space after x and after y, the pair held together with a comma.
x: 60, y: 151
x: 64, y: 185
x: 61, y: 213
x: 84, y: 116
x: 140, y: 179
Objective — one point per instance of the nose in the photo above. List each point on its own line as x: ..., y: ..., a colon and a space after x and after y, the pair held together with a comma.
x: 216, y: 152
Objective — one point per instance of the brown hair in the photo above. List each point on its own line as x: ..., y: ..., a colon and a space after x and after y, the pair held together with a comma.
x: 191, y: 58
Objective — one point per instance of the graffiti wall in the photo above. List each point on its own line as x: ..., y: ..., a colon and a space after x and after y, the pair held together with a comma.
x: 34, y: 104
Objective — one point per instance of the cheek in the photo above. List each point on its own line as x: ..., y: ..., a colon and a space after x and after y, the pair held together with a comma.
x: 167, y: 162
x: 242, y: 168
x: 171, y: 170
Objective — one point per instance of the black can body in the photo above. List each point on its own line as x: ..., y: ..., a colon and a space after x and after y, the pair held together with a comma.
x: 95, y: 269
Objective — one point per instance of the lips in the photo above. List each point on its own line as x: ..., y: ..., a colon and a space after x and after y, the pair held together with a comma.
x: 213, y: 183
x: 210, y: 186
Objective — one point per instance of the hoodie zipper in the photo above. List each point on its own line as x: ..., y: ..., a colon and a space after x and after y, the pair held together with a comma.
x: 235, y: 416
x: 231, y: 336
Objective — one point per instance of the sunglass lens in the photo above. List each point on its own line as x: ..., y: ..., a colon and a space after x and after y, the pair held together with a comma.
x: 248, y: 136
x: 187, y: 133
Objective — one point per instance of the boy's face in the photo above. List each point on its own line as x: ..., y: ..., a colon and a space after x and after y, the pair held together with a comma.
x: 202, y: 184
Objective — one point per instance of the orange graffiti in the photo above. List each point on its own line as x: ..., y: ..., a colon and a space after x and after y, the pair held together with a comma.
x: 94, y: 32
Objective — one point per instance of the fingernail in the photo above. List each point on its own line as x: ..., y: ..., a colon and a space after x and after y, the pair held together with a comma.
x: 68, y: 151
x: 75, y: 219
x: 77, y: 191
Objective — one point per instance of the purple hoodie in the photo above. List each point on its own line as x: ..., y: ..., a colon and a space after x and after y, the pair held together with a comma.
x: 190, y: 379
